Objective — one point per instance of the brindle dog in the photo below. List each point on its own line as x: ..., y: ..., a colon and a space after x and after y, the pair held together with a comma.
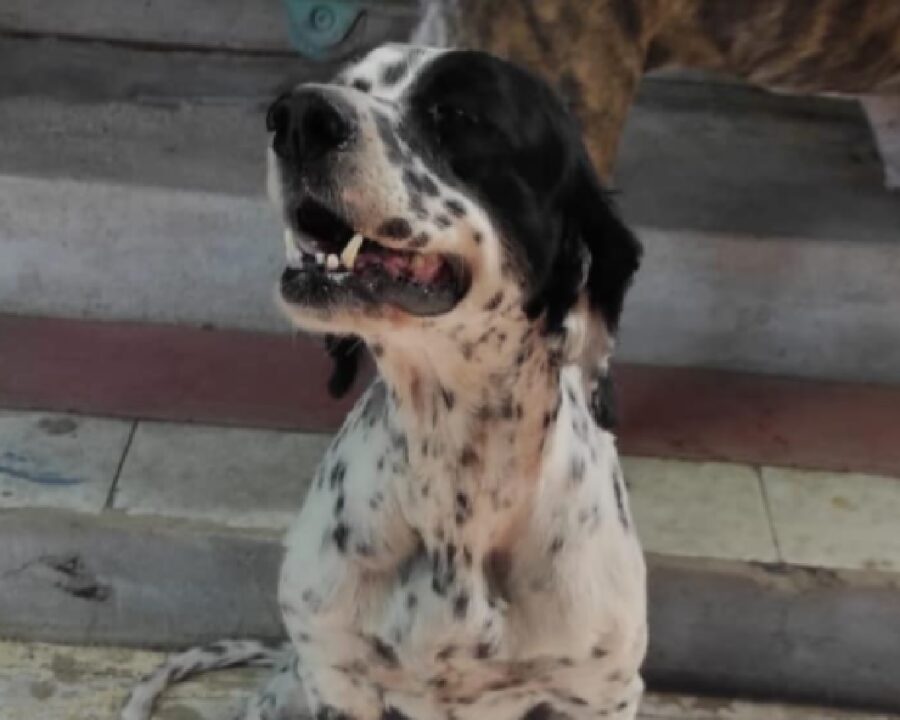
x: 596, y: 51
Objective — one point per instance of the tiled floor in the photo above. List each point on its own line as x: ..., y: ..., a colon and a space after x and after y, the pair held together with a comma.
x: 257, y: 479
x: 53, y: 682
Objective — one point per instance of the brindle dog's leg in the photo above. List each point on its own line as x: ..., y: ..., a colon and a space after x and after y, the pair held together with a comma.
x: 596, y: 50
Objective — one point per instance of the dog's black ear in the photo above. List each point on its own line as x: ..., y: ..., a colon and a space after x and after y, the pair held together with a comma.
x: 615, y: 253
x: 598, y: 258
x: 346, y: 352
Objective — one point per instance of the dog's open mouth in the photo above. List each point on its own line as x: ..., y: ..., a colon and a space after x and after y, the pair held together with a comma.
x: 330, y: 263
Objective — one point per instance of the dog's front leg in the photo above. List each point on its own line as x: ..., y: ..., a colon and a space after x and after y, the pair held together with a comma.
x: 341, y: 558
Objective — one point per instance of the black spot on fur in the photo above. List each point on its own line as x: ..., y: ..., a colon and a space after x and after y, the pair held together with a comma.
x: 603, y: 402
x: 337, y: 475
x: 339, y: 535
x: 388, y: 136
x: 620, y: 497
x: 419, y: 241
x: 439, y: 683
x: 420, y: 183
x: 362, y: 85
x: 442, y: 221
x: 393, y: 73
x: 497, y: 568
x: 327, y: 712
x: 392, y: 713
x: 494, y: 302
x: 483, y: 650
x: 395, y: 228
x: 449, y: 398
x: 463, y: 508
x: 556, y: 544
x: 542, y: 711
x: 460, y: 606
x: 468, y: 457
x: 455, y: 207
x: 311, y: 599
x: 385, y: 651
x: 577, y: 468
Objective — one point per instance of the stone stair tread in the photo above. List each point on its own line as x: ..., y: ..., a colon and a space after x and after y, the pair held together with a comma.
x: 55, y: 682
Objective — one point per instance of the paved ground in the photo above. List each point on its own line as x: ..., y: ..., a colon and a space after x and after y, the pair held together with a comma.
x: 55, y: 682
x: 247, y: 478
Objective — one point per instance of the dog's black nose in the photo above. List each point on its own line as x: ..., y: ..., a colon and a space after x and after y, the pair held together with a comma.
x: 307, y: 125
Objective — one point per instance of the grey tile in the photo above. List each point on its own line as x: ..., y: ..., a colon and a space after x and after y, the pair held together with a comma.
x: 699, y: 509
x: 238, y: 477
x: 837, y: 520
x: 58, y: 461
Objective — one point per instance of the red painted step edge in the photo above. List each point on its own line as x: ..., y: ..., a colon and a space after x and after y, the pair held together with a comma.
x: 166, y: 372
x: 229, y: 377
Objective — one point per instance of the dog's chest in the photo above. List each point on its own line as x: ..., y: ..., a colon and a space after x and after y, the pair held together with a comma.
x: 478, y: 581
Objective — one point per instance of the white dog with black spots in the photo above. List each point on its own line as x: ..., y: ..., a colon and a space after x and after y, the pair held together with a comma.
x: 465, y: 550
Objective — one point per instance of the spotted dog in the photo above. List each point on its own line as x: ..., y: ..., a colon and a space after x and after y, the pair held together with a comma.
x: 466, y: 549
x: 595, y: 51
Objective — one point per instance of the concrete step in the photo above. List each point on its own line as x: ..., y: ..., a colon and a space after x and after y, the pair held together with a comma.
x: 764, y: 581
x: 772, y: 245
x: 56, y: 682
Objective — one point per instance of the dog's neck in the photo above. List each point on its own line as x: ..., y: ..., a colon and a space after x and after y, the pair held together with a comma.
x: 487, y: 403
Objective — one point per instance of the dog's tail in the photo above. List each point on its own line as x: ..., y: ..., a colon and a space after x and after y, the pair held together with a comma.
x: 181, y: 666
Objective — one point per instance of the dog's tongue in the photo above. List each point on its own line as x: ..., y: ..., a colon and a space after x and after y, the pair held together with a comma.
x: 421, y: 268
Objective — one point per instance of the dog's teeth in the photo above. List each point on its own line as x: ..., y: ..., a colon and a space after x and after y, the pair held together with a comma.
x: 332, y: 262
x: 349, y: 253
x: 418, y: 262
x: 292, y: 252
x: 320, y: 258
